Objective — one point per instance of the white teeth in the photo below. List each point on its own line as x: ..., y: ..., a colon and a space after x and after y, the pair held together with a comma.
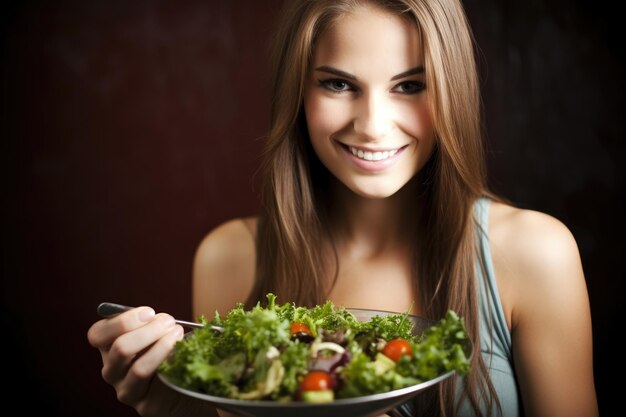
x: 372, y: 156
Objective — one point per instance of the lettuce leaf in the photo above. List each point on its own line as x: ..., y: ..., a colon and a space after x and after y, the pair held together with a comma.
x: 254, y: 357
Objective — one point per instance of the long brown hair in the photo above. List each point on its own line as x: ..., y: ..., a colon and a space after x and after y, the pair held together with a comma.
x: 291, y: 237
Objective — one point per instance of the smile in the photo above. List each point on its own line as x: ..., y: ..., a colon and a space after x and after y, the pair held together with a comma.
x: 372, y: 156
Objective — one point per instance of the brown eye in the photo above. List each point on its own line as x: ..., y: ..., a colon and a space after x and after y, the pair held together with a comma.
x: 410, y: 87
x: 336, y: 85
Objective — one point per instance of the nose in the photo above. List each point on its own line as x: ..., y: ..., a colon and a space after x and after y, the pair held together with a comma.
x: 373, y: 118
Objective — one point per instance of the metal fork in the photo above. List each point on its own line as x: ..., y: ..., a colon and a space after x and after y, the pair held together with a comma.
x: 113, y: 309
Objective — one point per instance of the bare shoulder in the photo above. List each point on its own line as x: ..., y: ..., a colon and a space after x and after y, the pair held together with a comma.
x: 531, y: 239
x: 536, y: 243
x: 224, y: 265
x: 536, y: 258
x: 544, y: 296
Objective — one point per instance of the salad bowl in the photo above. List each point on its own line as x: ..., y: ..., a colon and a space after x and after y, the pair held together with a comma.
x: 363, y: 406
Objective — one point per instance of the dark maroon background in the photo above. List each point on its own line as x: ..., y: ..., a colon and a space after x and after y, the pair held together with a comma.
x: 131, y: 128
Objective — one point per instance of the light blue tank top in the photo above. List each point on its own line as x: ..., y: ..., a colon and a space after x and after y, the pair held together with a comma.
x: 495, y: 338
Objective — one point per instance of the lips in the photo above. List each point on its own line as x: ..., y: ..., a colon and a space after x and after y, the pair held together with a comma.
x: 369, y: 159
x: 368, y: 154
x: 372, y: 155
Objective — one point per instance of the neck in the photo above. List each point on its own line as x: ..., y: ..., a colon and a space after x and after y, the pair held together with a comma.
x: 366, y: 227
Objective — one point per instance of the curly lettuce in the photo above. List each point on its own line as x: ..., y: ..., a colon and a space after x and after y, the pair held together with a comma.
x: 255, y: 357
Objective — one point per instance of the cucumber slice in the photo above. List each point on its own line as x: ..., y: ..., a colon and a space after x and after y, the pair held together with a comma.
x: 321, y: 396
x: 383, y: 364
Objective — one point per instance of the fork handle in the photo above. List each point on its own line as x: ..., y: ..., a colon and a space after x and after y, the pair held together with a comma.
x: 112, y: 309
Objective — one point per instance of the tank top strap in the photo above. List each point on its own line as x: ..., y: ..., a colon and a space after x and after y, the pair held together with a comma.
x: 494, y: 333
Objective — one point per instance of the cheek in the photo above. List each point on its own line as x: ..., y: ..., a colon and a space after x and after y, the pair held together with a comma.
x: 418, y: 122
x: 425, y: 118
x: 324, y: 116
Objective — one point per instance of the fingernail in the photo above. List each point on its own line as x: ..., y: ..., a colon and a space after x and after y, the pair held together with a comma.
x: 146, y: 314
x: 178, y: 332
x: 168, y: 321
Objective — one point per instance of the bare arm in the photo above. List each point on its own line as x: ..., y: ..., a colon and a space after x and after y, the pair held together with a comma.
x: 548, y: 305
x: 223, y: 270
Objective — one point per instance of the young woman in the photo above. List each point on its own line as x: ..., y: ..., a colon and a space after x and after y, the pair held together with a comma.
x: 374, y: 196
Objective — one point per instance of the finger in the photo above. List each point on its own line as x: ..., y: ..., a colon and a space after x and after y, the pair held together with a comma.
x: 126, y: 348
x: 104, y: 332
x: 142, y: 371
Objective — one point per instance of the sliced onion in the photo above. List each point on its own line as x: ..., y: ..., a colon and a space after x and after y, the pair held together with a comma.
x: 328, y: 363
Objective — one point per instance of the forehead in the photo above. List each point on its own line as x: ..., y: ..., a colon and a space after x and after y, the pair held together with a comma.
x: 372, y: 37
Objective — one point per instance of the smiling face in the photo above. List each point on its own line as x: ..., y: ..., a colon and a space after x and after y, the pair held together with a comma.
x: 365, y: 102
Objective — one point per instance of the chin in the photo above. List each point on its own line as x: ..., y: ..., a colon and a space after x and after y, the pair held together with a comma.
x: 374, y: 192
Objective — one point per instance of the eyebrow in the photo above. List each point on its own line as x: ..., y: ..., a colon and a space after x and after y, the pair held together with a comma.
x: 335, y: 71
x: 412, y: 71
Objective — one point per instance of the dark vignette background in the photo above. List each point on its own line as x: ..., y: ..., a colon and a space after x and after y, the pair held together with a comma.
x: 130, y: 129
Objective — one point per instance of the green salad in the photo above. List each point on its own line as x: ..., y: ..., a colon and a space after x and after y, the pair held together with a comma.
x: 318, y: 354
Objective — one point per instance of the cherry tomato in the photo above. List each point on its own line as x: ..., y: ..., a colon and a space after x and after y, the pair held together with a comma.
x: 297, y: 327
x: 316, y: 381
x: 396, y: 348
